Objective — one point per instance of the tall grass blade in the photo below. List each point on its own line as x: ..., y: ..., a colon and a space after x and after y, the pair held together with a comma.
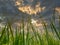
x: 53, y: 26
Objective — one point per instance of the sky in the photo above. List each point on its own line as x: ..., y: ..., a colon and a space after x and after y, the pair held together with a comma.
x: 32, y: 7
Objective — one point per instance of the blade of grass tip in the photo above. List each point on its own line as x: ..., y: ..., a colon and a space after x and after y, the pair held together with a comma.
x: 16, y: 41
x: 2, y: 35
x: 47, y: 34
x: 20, y: 35
x: 55, y: 30
x: 27, y: 35
x: 11, y: 31
x: 3, y: 31
x: 59, y: 24
x: 23, y: 30
x: 5, y: 38
x: 8, y: 33
x: 40, y: 39
x: 28, y: 28
x: 33, y: 29
x: 52, y: 29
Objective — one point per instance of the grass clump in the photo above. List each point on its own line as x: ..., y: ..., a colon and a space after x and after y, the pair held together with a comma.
x: 28, y: 36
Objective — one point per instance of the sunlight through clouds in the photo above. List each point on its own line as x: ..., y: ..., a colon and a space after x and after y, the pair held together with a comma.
x: 28, y: 9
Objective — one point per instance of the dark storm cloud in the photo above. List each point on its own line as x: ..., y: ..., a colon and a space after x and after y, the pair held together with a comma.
x: 43, y: 3
x: 47, y: 3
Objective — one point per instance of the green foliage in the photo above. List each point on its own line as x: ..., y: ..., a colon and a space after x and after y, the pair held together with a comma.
x: 20, y: 37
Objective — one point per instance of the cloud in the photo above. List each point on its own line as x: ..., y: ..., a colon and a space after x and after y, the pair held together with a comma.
x: 29, y: 1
